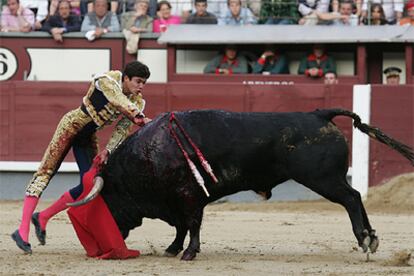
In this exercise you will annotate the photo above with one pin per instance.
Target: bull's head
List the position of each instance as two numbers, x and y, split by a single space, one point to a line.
98 184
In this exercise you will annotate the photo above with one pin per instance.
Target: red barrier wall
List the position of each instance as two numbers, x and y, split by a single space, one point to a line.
392 110
30 111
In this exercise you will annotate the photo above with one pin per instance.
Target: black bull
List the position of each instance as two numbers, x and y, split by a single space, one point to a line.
148 176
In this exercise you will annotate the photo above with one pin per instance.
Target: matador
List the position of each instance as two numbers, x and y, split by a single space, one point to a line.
110 95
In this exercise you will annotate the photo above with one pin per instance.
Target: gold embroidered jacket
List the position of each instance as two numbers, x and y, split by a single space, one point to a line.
104 102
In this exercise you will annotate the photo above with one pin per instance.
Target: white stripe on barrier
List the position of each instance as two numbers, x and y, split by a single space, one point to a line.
15 166
360 141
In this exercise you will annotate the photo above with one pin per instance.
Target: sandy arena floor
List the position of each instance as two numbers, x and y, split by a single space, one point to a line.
297 238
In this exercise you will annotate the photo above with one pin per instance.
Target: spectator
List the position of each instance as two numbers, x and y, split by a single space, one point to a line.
16 18
100 21
236 15
377 16
114 7
345 16
409 20
271 62
254 6
279 12
63 22
392 75
74 7
316 64
134 23
309 9
39 8
138 21
330 78
228 63
393 9
356 6
201 15
165 18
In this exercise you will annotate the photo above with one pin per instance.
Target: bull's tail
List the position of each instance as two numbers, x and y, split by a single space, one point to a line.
373 132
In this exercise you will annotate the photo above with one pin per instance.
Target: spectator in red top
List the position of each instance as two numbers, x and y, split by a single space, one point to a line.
316 64
409 9
228 63
271 62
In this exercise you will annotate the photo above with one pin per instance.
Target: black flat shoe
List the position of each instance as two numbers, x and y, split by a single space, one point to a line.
25 246
40 234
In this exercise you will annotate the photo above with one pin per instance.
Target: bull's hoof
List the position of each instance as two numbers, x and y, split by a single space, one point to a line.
366 241
188 255
171 251
373 246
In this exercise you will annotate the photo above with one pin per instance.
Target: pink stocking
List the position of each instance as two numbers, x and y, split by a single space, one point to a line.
29 205
57 207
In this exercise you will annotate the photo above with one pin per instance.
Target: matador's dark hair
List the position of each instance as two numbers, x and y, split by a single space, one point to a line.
136 69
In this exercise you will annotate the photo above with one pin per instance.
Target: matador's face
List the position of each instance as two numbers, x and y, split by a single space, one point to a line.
133 85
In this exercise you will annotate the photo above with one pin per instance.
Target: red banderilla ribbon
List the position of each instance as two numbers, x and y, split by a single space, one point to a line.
200 155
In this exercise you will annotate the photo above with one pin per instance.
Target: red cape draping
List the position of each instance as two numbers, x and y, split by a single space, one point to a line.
95 226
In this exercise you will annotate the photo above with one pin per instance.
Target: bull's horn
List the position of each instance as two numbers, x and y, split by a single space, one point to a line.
98 184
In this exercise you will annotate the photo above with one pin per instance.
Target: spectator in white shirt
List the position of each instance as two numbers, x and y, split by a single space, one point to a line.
235 14
309 9
345 16
39 8
393 9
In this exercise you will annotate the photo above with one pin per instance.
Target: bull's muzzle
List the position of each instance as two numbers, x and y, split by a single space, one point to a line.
98 184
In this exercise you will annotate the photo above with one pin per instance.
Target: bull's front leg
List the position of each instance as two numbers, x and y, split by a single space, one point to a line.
178 244
194 245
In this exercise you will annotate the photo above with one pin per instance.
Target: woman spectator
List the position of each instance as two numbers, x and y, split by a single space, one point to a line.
377 16
165 18
136 22
393 9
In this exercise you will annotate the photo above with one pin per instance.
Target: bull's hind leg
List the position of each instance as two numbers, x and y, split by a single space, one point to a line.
339 191
194 223
178 244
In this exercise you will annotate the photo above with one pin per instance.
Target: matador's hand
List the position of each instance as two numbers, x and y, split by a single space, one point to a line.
141 121
101 158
